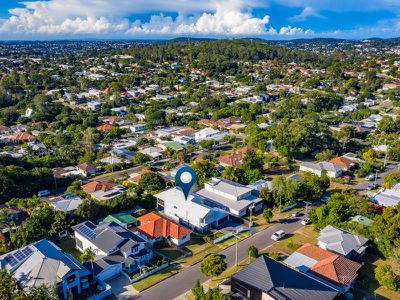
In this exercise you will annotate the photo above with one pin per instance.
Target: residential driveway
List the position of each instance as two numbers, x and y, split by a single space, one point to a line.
122 288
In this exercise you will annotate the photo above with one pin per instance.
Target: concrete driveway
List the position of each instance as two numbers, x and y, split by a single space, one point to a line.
122 288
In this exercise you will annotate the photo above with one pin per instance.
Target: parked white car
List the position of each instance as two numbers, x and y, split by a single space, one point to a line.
305 221
278 235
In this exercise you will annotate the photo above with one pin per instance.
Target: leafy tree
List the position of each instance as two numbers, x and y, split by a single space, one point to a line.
385 230
324 155
198 290
338 209
141 158
369 155
213 265
43 292
204 170
267 215
151 182
391 179
386 277
8 286
284 190
312 187
252 251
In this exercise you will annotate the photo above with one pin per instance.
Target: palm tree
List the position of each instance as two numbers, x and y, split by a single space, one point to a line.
252 251
5 221
230 173
89 255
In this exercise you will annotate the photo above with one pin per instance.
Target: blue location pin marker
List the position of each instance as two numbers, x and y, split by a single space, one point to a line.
185 178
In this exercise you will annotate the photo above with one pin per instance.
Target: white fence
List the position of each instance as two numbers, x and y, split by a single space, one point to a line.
230 234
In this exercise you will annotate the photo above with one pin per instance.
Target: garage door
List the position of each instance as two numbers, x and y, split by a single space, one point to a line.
110 272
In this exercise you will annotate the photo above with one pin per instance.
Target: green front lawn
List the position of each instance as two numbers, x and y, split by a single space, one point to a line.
155 278
68 246
171 253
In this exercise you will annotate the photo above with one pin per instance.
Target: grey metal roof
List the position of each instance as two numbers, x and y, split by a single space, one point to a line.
282 282
109 236
45 264
340 241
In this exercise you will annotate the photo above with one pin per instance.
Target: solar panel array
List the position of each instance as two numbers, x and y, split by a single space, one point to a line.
87 231
18 256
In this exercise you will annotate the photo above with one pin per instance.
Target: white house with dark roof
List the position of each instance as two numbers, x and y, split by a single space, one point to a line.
117 248
43 263
230 196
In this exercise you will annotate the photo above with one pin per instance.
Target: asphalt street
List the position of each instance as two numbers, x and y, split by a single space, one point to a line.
362 186
184 280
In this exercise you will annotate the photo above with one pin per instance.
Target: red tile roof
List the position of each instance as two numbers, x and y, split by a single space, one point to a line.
94 186
23 136
155 226
330 266
231 159
342 162
105 127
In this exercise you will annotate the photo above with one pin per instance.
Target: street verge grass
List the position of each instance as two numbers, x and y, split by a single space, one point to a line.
155 278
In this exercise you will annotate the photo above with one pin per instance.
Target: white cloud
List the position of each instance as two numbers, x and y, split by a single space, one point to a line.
307 12
289 30
110 18
221 22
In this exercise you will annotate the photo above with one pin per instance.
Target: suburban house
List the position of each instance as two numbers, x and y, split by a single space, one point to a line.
334 268
342 242
230 196
191 212
124 219
209 134
44 263
231 160
153 152
117 249
266 278
21 137
137 128
86 169
332 170
154 227
342 162
135 177
387 197
103 190
67 203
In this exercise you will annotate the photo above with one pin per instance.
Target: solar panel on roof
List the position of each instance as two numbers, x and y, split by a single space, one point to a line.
19 255
11 260
87 231
27 251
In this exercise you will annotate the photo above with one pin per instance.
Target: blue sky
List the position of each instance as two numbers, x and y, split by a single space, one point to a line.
130 19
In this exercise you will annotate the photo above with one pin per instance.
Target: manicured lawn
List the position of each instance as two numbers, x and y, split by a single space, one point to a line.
231 241
305 234
155 278
197 257
68 246
171 253
195 245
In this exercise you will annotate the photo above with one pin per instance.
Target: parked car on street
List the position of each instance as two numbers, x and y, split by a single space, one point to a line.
43 193
278 235
296 214
305 221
